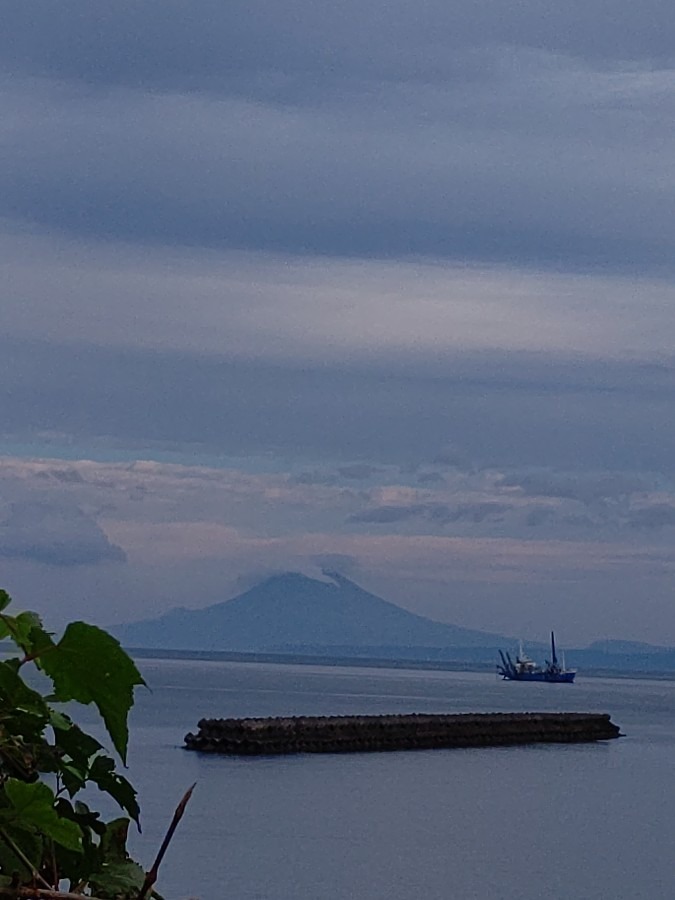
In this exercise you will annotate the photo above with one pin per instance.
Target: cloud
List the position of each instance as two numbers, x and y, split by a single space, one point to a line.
506 410
430 478
452 456
344 563
378 361
55 535
467 167
67 476
654 516
540 515
384 515
313 477
439 513
454 551
477 512
586 487
358 471
413 264
215 47
281 309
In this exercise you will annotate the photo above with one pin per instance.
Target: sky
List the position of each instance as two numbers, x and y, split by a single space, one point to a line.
382 286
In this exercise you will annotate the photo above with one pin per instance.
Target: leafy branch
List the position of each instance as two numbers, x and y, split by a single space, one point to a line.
52 845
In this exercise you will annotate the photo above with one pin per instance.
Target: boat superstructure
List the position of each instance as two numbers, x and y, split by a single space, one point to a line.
525 669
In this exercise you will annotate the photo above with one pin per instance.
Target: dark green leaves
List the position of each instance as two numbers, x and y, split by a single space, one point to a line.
46 832
117 875
32 806
21 852
75 750
26 631
16 695
104 775
23 717
89 665
118 880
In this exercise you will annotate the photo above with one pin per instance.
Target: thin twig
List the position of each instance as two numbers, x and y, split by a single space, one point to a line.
55 870
24 859
151 876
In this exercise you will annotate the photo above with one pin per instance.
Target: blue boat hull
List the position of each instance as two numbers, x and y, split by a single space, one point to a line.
550 677
525 669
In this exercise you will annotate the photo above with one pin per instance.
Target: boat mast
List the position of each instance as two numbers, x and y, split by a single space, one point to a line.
554 659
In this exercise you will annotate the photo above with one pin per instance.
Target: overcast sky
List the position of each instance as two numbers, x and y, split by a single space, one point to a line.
384 285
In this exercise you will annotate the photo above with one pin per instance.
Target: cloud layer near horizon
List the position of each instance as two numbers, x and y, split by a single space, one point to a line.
142 535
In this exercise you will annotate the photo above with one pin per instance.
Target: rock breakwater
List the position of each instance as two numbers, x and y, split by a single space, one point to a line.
349 734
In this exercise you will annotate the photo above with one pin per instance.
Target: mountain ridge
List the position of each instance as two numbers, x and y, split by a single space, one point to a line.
292 610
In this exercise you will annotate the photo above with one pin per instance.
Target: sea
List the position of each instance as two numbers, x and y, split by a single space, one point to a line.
560 822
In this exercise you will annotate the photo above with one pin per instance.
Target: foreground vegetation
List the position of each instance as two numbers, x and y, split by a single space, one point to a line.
52 843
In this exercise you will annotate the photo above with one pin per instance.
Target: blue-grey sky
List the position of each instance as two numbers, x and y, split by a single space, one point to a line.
377 283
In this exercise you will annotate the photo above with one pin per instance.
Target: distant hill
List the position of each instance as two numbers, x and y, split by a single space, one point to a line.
626 647
293 613
623 657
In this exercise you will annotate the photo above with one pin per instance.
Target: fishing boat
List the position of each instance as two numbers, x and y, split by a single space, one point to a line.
526 669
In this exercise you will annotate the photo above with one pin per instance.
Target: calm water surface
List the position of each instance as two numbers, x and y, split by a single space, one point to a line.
584 822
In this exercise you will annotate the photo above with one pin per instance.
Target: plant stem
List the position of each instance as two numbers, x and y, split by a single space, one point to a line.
151 876
24 859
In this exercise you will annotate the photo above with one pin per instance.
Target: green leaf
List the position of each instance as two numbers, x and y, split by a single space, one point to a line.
60 720
79 745
90 666
5 600
80 813
118 880
76 867
33 805
15 692
114 841
23 719
90 819
30 633
80 763
73 779
27 632
104 775
117 875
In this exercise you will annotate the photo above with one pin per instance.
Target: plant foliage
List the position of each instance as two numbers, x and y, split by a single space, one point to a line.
49 837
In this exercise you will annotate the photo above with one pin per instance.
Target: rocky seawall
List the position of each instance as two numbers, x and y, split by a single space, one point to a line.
349 734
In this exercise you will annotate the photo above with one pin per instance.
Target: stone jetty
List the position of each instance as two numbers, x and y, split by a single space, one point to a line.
349 734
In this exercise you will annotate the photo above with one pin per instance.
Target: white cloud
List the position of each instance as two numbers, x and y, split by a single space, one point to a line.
272 308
